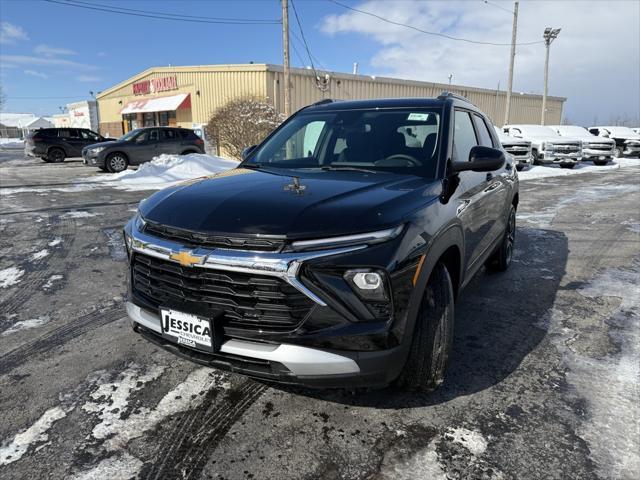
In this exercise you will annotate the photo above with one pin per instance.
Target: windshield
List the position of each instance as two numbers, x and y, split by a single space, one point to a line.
398 141
129 136
622 131
569 130
537 130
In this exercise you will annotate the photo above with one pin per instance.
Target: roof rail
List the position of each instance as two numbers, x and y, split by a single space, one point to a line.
323 101
444 95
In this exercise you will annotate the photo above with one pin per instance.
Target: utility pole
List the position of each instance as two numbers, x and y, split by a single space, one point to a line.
549 35
511 61
285 62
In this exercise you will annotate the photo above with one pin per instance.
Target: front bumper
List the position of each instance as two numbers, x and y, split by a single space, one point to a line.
280 362
597 153
558 158
332 347
93 159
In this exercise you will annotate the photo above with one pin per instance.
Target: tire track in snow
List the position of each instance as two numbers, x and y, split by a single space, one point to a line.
185 451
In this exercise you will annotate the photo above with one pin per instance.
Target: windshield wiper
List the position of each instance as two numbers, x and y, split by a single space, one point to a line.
352 169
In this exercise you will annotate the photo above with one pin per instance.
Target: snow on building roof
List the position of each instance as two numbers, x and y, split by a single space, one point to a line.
18 120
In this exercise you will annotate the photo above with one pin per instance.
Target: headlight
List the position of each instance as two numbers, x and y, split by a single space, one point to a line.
97 149
139 222
369 285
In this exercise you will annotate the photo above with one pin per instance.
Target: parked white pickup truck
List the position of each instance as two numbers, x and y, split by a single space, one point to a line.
627 141
547 146
519 149
600 150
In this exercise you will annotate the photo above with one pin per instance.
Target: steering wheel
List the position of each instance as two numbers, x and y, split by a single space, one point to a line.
388 162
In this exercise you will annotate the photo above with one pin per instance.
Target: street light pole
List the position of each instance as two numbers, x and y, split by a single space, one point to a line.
285 57
549 35
512 58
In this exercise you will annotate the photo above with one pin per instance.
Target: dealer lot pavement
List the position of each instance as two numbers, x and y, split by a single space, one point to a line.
542 384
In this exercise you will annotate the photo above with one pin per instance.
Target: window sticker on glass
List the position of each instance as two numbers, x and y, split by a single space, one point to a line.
419 117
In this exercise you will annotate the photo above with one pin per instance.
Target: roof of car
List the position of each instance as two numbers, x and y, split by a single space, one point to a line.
371 104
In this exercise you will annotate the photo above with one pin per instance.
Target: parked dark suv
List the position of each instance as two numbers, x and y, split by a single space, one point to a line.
141 145
333 254
56 144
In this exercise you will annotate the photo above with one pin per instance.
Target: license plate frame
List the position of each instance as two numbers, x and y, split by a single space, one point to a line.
188 329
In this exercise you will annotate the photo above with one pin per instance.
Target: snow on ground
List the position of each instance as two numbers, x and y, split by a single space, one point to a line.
11 143
166 170
542 171
26 325
10 276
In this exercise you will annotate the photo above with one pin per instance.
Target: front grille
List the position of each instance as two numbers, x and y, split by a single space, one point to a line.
196 239
248 302
566 148
518 151
599 146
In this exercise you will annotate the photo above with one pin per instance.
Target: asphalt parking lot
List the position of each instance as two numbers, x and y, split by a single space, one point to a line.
543 381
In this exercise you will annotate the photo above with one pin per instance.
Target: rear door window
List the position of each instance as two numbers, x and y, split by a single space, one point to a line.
168 134
464 136
64 133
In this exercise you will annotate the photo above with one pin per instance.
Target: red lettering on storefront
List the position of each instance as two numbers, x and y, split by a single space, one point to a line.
155 85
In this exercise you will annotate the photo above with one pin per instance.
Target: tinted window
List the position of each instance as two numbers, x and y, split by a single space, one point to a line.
483 131
464 137
89 135
46 132
68 133
153 135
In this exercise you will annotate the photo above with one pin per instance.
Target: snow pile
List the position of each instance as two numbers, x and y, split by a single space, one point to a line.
166 170
11 143
541 171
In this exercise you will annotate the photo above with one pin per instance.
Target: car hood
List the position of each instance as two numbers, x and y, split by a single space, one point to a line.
101 144
268 202
551 139
594 139
512 141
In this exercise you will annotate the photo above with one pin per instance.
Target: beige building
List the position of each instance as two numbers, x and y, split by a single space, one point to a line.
187 96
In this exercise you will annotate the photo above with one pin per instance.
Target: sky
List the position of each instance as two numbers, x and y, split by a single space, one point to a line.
52 54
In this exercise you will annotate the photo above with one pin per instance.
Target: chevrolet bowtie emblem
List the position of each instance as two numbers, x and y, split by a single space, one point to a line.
186 259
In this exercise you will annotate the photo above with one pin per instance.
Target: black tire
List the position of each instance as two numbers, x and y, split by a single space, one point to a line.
432 336
618 152
600 163
536 161
187 152
45 159
567 165
501 259
103 168
519 167
55 155
116 162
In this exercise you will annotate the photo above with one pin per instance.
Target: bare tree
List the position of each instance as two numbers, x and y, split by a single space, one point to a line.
3 98
242 122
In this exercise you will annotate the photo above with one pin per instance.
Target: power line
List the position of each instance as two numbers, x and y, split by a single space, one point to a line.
304 40
437 34
498 6
93 4
164 16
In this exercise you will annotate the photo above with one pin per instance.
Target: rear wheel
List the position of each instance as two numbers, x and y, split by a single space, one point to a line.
188 152
501 259
116 162
55 155
432 335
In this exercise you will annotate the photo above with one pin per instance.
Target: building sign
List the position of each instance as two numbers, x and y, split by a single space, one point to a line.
155 85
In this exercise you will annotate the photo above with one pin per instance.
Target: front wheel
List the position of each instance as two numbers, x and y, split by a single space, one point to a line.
520 167
116 162
501 259
567 165
600 163
432 335
618 152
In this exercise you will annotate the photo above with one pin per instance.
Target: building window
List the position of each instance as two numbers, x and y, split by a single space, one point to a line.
149 119
166 119
130 121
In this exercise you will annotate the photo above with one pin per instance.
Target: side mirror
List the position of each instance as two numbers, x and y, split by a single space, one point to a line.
247 151
481 159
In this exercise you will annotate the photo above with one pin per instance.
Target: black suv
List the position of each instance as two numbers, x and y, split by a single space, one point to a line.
333 254
56 144
141 145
